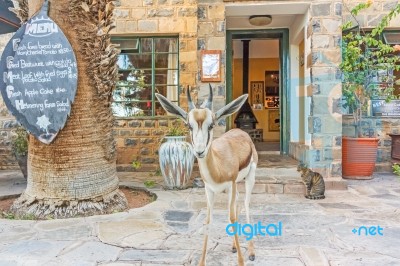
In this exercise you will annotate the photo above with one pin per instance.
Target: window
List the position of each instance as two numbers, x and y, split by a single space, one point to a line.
147 65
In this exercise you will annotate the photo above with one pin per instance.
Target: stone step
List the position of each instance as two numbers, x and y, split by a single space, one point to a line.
274 180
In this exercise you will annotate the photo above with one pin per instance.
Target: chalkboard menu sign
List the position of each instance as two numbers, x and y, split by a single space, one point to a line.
383 108
39 76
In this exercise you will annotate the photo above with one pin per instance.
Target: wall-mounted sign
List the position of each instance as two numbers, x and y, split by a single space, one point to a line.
211 65
383 108
39 76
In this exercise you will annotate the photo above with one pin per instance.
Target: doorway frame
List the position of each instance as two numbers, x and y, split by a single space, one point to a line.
284 87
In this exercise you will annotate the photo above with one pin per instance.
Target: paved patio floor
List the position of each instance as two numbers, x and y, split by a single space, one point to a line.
169 231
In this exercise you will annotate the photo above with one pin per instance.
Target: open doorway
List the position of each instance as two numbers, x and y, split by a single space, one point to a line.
257 64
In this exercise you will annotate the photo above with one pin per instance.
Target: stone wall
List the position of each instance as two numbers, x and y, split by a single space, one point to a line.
200 25
380 127
138 140
7 124
163 17
372 16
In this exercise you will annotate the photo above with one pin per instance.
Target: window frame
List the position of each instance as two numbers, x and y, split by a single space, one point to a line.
153 69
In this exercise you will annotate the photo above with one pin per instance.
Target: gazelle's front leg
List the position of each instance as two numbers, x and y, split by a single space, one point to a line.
210 206
233 218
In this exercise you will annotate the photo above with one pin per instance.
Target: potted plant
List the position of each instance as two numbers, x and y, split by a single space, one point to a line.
367 67
176 157
20 149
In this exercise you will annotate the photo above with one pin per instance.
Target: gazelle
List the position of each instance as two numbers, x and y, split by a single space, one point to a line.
223 162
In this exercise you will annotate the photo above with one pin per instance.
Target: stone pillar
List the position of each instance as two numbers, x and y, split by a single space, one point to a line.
212 36
325 120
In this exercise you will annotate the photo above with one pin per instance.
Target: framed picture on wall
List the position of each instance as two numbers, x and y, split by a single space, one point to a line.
211 65
272 83
273 120
257 93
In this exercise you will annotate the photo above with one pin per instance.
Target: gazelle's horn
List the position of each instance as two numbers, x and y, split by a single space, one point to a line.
190 102
209 102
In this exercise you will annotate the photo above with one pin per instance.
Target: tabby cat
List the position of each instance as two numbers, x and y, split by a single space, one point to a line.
314 182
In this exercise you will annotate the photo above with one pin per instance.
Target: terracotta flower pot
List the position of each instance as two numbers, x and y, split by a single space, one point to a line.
359 157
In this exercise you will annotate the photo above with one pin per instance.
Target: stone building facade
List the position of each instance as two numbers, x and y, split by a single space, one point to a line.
202 25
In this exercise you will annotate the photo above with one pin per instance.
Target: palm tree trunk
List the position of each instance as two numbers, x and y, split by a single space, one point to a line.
76 174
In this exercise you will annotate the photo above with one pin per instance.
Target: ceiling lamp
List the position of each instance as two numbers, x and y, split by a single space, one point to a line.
260 20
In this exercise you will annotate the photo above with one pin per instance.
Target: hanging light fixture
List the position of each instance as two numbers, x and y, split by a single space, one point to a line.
260 20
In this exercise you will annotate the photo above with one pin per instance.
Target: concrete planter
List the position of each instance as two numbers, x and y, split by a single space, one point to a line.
176 162
359 157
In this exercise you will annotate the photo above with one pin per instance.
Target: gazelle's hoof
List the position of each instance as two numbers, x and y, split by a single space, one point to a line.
234 250
252 257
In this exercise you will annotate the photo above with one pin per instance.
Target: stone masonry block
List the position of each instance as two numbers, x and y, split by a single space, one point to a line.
171 25
202 12
148 25
131 3
294 189
138 13
338 9
216 12
131 142
188 57
320 105
142 132
136 123
191 25
321 9
320 41
131 26
163 12
121 13
216 43
331 25
373 20
275 188
314 125
120 25
336 185
205 28
187 12
149 123
389 4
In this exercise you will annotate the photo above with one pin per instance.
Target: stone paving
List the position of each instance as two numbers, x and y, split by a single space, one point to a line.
169 231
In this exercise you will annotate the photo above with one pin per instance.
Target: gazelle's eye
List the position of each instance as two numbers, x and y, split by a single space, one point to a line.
211 126
190 127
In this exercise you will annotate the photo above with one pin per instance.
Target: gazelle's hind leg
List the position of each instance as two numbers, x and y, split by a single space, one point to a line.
234 249
233 219
249 183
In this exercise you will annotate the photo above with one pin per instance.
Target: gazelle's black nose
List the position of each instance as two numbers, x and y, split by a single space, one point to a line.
200 153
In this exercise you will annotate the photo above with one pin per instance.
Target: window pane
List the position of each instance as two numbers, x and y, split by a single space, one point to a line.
170 92
146 45
166 61
166 45
129 61
127 43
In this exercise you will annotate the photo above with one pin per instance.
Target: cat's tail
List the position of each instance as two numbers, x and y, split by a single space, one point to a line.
315 197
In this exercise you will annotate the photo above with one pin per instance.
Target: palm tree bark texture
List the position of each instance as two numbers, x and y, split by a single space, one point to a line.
76 174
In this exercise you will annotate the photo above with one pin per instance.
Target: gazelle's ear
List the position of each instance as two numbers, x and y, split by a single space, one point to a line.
231 108
171 108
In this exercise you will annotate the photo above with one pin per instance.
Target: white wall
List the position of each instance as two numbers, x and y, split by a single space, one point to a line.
297 33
